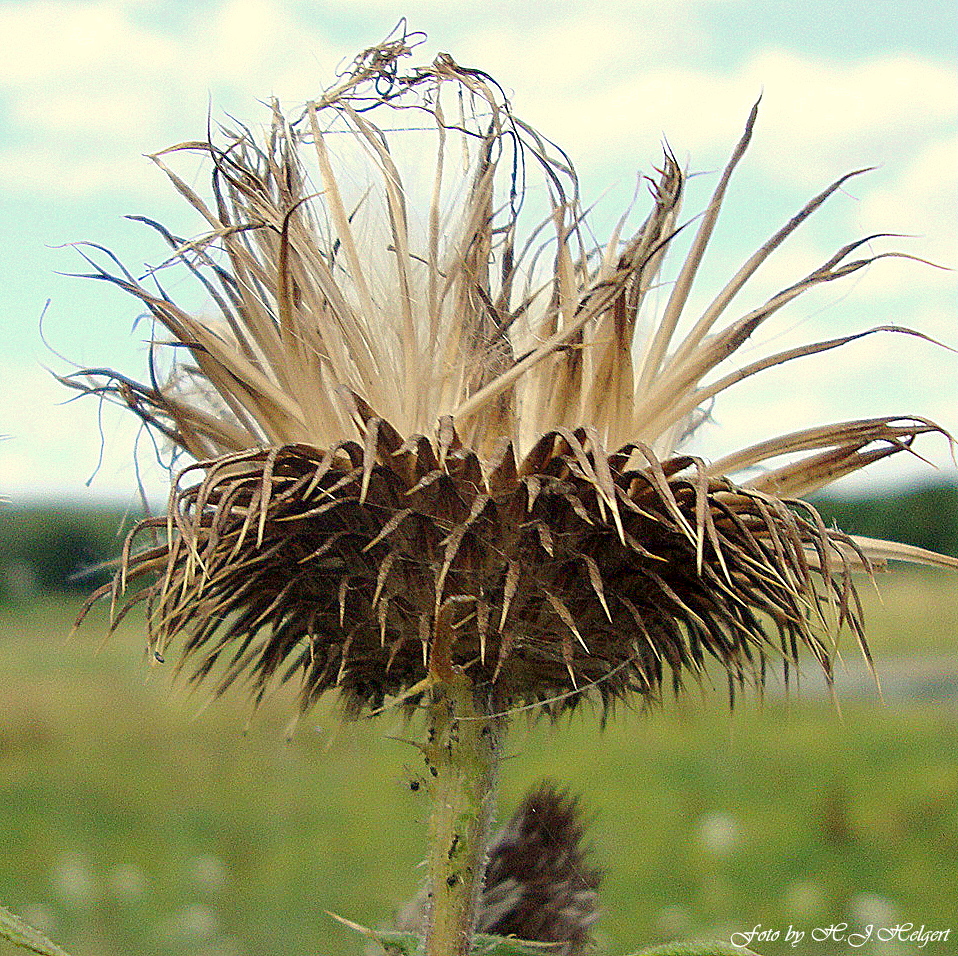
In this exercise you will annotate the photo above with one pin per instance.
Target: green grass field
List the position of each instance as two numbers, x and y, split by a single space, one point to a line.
133 821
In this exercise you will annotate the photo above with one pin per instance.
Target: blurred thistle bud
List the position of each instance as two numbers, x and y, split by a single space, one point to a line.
540 884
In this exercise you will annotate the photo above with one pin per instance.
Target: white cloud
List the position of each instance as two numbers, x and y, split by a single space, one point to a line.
817 119
90 113
575 57
88 89
922 201
600 85
40 172
47 39
257 49
866 112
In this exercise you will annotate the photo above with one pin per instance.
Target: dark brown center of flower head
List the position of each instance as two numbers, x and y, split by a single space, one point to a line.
362 568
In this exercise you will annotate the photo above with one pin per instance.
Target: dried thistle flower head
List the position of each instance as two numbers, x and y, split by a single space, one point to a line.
428 436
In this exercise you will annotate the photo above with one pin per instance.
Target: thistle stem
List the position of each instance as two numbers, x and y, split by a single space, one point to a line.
461 758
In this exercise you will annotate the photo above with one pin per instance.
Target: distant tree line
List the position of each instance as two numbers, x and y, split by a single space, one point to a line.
926 515
49 548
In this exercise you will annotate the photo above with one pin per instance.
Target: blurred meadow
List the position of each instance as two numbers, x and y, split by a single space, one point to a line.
137 820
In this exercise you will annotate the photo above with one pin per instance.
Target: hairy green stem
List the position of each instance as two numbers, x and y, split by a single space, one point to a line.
461 757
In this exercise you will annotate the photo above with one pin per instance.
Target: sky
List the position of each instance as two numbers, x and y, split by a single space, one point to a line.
88 87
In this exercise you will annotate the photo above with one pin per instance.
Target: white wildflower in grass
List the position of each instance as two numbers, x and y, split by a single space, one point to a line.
803 899
128 882
73 881
719 834
431 457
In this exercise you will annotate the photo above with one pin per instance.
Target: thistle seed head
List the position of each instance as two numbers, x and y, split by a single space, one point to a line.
426 429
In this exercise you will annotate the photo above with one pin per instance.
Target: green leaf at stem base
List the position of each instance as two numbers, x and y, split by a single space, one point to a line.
704 948
410 944
25 936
